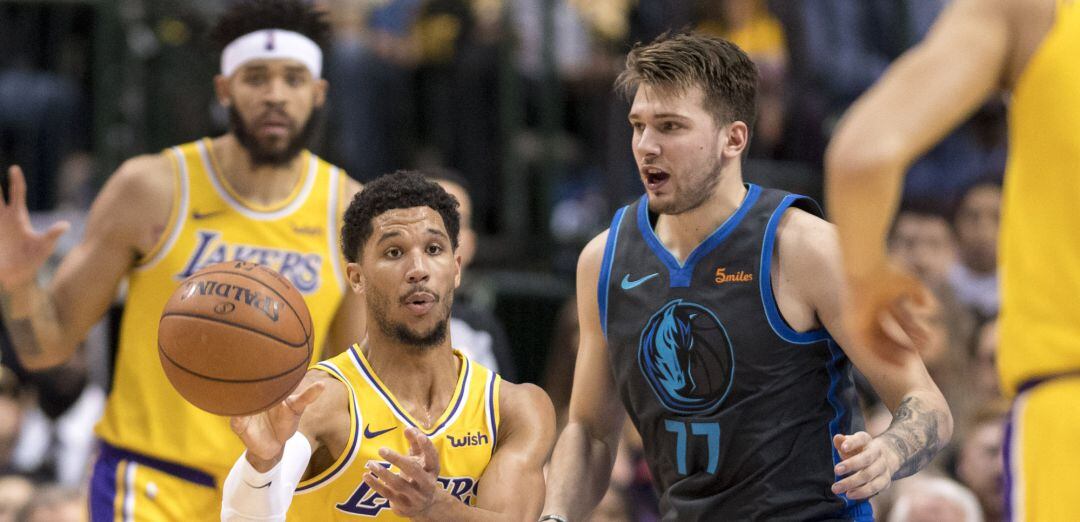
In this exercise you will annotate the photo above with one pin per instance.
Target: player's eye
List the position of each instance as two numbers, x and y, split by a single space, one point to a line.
295 80
393 252
434 249
670 126
255 79
637 125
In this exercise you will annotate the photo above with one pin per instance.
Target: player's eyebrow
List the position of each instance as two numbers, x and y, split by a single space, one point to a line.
387 235
437 232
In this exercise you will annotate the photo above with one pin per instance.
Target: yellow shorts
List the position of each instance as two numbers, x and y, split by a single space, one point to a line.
1042 452
127 486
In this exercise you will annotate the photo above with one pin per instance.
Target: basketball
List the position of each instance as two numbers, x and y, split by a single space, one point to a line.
235 338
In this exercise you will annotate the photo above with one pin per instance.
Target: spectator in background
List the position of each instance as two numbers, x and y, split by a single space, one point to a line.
985 382
749 25
473 329
837 49
54 504
980 461
934 499
371 61
922 241
15 492
975 219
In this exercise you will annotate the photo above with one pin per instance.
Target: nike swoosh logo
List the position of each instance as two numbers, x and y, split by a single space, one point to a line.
205 215
264 485
368 434
628 284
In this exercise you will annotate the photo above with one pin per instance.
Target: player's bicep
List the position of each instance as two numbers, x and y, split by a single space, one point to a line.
593 401
930 89
128 216
513 483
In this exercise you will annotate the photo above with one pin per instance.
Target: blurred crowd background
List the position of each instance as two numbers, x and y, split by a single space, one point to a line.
513 100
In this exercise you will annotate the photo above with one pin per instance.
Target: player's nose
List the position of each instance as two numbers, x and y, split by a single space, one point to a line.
418 270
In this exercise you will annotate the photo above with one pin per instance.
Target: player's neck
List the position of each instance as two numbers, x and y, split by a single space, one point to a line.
682 233
423 380
260 184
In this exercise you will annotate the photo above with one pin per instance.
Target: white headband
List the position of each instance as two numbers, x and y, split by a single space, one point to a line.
269 44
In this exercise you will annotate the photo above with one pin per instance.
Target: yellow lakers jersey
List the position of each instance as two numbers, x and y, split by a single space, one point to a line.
1040 229
464 437
211 223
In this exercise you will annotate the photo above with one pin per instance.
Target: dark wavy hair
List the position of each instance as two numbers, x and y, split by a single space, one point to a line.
248 16
402 189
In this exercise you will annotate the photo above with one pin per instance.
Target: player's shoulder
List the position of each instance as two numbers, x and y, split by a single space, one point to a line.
149 176
593 254
331 402
802 231
526 405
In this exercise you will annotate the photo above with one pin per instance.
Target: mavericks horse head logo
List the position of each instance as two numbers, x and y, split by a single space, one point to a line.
686 356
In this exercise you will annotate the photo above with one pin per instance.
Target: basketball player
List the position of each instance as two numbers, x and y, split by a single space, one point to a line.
710 308
405 426
253 194
978 47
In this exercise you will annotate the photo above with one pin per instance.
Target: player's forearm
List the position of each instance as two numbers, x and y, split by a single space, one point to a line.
921 426
34 327
449 509
579 473
863 184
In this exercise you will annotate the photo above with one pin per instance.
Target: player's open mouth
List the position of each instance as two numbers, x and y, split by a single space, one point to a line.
419 302
654 177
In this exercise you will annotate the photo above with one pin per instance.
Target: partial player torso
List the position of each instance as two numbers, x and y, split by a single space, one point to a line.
464 437
1040 243
736 409
209 224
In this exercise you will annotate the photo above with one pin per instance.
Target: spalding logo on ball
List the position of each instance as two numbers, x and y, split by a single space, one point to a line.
235 338
686 357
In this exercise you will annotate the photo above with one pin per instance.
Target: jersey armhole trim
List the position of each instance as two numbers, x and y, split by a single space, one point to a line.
336 195
353 446
178 214
772 312
493 417
602 283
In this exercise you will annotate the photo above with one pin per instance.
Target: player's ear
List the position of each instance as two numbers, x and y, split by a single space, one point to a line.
356 277
457 272
321 86
736 140
222 91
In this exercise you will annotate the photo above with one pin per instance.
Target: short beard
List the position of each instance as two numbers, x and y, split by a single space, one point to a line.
401 333
695 196
260 155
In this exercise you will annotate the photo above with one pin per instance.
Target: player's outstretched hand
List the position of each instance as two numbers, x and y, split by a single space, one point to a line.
22 250
264 434
866 463
888 310
412 492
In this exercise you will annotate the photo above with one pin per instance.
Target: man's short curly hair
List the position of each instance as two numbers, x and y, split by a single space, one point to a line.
402 189
248 16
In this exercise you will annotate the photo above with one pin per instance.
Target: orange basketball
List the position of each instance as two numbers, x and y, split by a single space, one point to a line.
235 338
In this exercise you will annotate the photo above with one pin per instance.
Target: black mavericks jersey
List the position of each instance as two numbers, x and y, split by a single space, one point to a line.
736 409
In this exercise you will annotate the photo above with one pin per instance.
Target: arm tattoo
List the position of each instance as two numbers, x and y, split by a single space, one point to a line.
21 329
916 433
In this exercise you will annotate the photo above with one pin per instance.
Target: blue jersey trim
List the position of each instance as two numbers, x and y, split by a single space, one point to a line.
832 367
103 489
603 281
681 274
491 411
768 300
109 452
344 463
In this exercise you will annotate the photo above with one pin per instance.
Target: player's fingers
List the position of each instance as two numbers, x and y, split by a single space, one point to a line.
837 440
855 442
869 489
297 402
854 463
53 234
912 321
399 487
239 424
17 186
374 482
408 465
422 446
852 481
